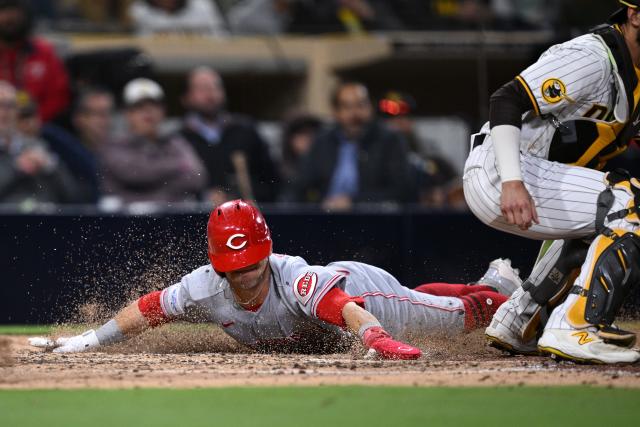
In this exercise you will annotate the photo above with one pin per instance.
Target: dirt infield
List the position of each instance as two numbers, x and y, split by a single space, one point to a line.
202 358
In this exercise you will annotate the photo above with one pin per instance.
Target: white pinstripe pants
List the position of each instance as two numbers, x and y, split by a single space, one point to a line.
565 196
566 201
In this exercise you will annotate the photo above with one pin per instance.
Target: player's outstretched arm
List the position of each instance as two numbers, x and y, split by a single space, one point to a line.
129 322
373 336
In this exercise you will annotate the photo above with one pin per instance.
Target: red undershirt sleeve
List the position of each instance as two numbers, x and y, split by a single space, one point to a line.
151 308
330 307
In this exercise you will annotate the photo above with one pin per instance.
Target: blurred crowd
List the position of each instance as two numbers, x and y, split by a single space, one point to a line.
82 143
224 17
75 141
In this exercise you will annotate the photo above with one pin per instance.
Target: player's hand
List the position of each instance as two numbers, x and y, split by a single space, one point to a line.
517 206
32 161
76 344
379 340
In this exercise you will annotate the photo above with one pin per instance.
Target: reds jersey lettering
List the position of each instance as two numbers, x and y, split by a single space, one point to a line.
304 286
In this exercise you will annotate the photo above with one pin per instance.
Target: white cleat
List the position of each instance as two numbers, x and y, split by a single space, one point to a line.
584 346
501 276
503 338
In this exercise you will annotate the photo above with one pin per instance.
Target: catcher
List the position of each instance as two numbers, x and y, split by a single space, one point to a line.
280 303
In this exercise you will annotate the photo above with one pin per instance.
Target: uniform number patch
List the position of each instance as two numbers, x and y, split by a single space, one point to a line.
304 286
553 91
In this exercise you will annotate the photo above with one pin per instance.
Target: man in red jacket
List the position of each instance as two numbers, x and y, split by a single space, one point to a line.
30 63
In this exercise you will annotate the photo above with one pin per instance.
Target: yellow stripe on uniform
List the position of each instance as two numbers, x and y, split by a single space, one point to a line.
531 97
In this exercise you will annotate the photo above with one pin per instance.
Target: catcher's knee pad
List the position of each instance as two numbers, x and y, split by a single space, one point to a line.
618 179
614 274
550 288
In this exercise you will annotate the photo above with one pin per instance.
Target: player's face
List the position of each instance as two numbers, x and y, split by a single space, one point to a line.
249 277
353 110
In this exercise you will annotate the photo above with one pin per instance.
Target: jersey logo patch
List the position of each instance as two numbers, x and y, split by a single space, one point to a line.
304 286
554 91
236 246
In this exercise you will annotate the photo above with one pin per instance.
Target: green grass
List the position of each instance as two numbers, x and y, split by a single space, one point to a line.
323 407
25 329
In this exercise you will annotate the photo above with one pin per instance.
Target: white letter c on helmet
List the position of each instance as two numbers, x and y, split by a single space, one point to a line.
239 246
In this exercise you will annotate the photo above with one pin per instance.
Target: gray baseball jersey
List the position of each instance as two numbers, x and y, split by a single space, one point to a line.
287 320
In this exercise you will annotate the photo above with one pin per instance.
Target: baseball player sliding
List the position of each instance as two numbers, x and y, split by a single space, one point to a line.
533 171
278 303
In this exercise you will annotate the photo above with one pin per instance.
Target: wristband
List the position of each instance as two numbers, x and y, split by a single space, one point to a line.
366 326
110 333
506 145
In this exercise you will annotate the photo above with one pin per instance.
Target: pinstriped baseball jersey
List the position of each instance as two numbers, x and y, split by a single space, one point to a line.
571 84
287 320
570 81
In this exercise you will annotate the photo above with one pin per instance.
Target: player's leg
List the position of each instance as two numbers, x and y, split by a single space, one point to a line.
500 277
480 307
480 302
581 327
516 323
564 195
451 289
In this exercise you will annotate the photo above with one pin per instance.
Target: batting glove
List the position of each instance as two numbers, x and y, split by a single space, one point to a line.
76 344
379 340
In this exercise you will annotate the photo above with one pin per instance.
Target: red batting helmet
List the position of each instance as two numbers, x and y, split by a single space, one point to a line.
238 236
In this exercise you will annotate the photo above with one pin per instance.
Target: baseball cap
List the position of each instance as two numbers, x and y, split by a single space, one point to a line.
620 15
141 89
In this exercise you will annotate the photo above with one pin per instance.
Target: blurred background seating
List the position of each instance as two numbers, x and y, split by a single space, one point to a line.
246 106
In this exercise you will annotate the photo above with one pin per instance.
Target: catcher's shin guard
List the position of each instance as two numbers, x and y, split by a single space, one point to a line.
614 274
614 270
546 288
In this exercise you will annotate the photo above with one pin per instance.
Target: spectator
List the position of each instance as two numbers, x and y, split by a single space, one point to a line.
28 171
298 136
236 157
177 16
526 14
351 16
359 159
435 180
92 117
79 161
30 63
146 166
259 16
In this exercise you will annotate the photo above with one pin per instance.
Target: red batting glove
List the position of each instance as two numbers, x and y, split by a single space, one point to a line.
380 340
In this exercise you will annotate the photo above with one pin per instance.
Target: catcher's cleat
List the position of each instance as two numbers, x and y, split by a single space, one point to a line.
502 338
584 346
502 277
616 336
